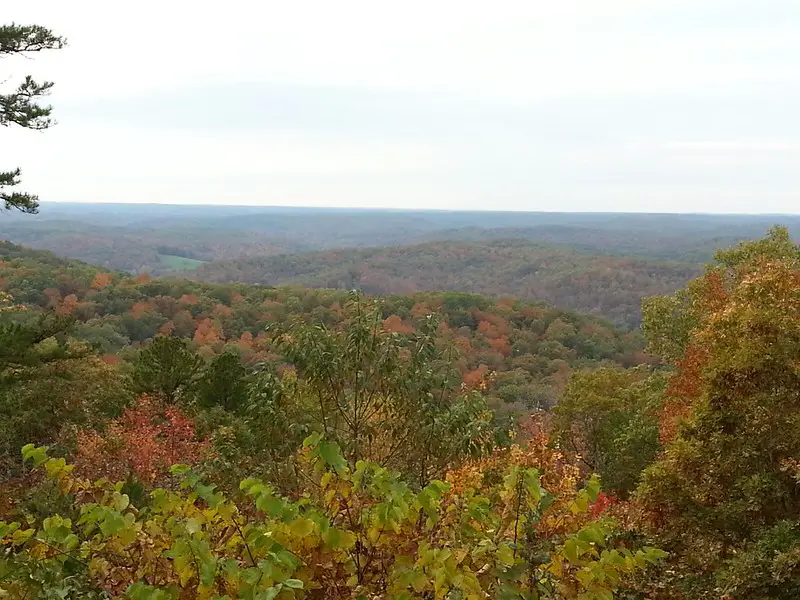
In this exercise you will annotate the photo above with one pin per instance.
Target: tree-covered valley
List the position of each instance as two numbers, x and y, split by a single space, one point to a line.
137 237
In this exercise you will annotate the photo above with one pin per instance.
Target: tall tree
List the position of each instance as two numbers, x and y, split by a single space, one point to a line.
22 106
21 335
726 487
609 417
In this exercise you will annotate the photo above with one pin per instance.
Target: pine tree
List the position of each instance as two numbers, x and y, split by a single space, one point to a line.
21 337
22 105
166 368
223 384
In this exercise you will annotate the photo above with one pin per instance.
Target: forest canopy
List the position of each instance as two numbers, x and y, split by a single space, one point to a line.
189 440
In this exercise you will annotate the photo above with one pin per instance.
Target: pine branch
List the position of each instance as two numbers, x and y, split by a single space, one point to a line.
27 203
21 106
18 39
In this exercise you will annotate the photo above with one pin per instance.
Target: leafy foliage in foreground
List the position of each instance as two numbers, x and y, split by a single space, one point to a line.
358 531
396 431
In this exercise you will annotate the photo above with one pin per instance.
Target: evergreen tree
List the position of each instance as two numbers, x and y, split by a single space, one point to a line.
223 384
166 368
42 376
22 334
22 105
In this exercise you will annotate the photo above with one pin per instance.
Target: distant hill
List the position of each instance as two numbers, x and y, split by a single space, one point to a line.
689 246
137 249
136 238
603 285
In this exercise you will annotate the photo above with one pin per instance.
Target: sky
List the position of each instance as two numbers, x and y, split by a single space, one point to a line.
574 105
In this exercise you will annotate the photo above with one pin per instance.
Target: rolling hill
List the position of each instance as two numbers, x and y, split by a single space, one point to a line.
603 285
134 238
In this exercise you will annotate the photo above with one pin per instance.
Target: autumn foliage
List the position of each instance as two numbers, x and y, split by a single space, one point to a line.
360 448
722 494
491 530
143 443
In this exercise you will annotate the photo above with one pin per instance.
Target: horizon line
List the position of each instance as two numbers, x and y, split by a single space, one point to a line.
405 209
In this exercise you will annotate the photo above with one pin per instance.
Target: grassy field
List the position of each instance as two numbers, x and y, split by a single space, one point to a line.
179 263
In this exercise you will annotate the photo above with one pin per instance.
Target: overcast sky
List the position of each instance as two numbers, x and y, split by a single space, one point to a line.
613 105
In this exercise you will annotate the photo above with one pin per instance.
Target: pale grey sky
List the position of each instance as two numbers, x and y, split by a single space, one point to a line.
614 105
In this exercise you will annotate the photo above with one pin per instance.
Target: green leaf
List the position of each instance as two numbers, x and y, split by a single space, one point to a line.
179 469
654 555
142 591
332 455
7 528
570 550
592 533
585 576
270 593
38 455
505 554
269 504
593 487
112 524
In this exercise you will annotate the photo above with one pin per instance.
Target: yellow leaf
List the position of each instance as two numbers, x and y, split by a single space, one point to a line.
302 527
373 533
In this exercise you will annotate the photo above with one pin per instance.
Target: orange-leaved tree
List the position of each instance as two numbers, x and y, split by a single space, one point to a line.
142 444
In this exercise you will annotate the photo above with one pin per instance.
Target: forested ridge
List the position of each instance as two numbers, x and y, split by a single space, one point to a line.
608 286
531 347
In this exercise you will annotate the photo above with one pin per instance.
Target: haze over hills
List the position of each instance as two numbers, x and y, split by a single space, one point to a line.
135 237
600 263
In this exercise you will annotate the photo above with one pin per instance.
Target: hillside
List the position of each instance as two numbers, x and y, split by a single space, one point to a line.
685 246
607 286
136 248
531 347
